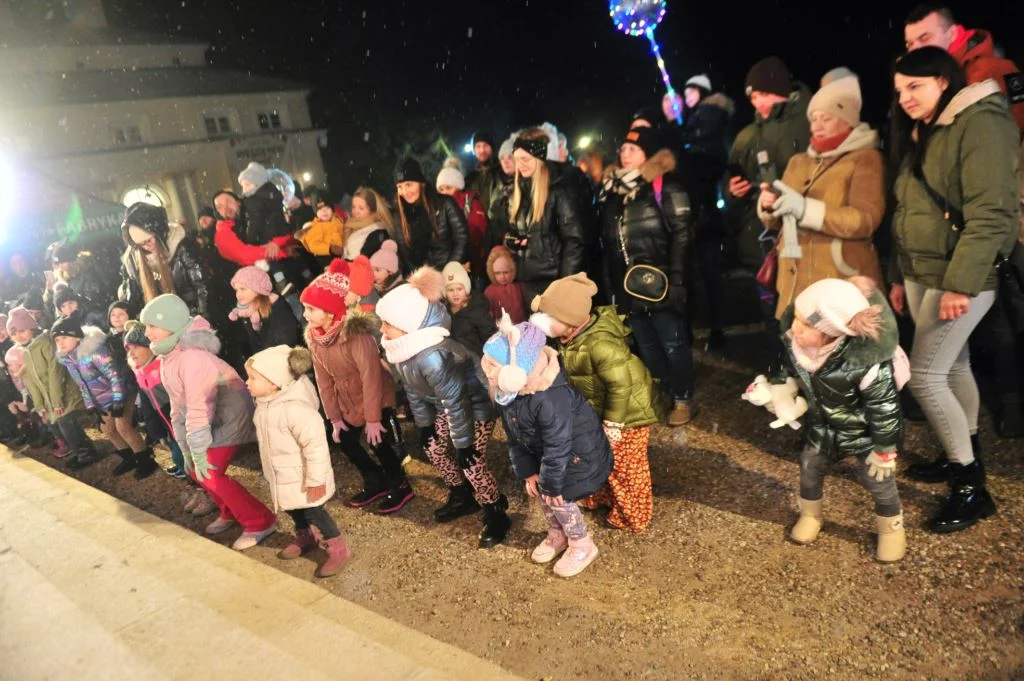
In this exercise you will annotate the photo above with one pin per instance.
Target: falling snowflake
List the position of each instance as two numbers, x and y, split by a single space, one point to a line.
469 32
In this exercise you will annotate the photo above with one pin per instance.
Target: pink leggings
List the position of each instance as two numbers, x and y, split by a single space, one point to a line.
233 500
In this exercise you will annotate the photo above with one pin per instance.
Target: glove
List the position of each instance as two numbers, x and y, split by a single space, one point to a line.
613 431
677 297
202 466
790 201
467 457
117 410
337 427
190 467
881 466
426 435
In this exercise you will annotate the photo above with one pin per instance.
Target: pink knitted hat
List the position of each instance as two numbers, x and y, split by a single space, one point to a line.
20 319
254 279
829 305
386 256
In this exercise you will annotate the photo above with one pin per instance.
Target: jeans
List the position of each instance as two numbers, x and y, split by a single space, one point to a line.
177 458
318 517
814 466
940 368
663 339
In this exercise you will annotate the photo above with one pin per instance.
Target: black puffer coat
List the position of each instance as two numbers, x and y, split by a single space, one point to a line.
264 211
554 433
555 244
473 324
185 260
425 247
280 328
651 234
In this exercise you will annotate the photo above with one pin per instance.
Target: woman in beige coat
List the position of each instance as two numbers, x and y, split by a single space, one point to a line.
831 199
293 450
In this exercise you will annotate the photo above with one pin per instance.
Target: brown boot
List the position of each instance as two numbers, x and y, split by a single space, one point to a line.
304 542
892 539
338 554
681 414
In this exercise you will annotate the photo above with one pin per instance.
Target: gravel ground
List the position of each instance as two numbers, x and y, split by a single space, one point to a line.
713 590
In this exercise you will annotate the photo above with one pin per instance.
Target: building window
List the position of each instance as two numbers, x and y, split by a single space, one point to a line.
217 125
126 135
269 120
146 194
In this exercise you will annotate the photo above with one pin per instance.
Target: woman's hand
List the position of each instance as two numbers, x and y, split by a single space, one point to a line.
767 199
317 493
898 298
532 488
272 251
739 187
953 305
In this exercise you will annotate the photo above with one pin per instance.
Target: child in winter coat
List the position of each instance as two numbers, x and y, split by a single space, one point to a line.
471 319
294 453
504 292
118 316
841 346
322 236
555 439
28 426
267 318
107 388
387 274
362 292
211 413
452 182
357 391
55 398
448 399
601 367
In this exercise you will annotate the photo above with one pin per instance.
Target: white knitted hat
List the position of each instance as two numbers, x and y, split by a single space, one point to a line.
829 304
406 306
455 273
700 80
281 364
840 97
451 177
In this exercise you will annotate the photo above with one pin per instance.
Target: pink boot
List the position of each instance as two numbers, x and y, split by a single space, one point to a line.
338 554
304 542
553 544
62 450
581 553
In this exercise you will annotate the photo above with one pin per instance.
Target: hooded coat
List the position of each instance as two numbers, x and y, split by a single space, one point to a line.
980 62
48 381
184 261
555 434
508 297
102 380
293 445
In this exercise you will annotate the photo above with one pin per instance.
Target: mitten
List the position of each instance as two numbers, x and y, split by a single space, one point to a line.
467 457
202 466
881 466
790 201
613 431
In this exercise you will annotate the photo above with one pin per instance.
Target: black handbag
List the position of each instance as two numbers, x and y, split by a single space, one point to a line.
645 283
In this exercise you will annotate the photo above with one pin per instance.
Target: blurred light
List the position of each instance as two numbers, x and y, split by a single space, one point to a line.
721 203
468 148
307 176
143 195
584 142
7 197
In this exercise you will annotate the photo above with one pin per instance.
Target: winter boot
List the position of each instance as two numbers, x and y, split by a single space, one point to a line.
1011 417
681 414
968 500
145 465
575 560
40 436
304 542
338 554
892 538
460 502
204 504
23 436
83 458
398 496
373 489
496 523
127 462
553 544
61 450
808 525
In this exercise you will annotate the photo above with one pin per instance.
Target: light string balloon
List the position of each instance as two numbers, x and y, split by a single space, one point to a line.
640 18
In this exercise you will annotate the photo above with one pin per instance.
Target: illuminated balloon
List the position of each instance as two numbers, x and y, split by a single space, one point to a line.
640 18
284 183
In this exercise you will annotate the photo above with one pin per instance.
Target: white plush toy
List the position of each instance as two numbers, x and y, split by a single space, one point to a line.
784 400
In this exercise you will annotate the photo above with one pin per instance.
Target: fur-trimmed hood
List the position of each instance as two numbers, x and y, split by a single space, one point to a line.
721 101
496 253
94 341
359 321
544 373
662 163
201 336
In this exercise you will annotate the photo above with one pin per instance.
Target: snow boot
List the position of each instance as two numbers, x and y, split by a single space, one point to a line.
968 500
580 554
338 554
892 539
304 542
373 489
145 465
398 496
808 525
127 462
83 458
460 502
553 544
496 523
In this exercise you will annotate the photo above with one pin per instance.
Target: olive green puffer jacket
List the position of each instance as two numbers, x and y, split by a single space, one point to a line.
615 382
971 161
844 419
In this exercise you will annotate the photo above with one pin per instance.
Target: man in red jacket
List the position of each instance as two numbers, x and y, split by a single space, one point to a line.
933 24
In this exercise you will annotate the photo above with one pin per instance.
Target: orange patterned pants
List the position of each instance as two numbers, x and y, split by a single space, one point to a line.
628 490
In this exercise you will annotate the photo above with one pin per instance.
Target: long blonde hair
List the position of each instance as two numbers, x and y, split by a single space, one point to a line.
539 184
153 286
379 211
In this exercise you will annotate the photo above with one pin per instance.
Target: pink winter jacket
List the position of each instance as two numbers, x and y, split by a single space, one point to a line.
210 406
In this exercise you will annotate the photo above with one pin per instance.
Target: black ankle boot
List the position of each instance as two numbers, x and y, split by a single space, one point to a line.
373 489
144 464
933 471
460 502
496 523
968 500
128 462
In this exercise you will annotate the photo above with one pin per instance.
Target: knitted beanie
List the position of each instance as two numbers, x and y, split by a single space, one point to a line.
840 98
327 292
20 319
568 299
68 326
254 279
15 357
405 307
645 138
409 170
118 305
360 276
770 75
455 273
829 304
516 348
282 365
701 80
135 334
483 136
386 257
452 177
506 147
256 174
170 313
64 294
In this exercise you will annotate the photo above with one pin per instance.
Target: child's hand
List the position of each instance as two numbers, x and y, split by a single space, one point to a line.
59 411
881 466
532 488
553 501
374 433
338 427
316 493
42 414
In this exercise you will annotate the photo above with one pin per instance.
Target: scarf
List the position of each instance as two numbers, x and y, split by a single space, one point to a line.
326 338
624 183
250 312
829 143
411 344
813 359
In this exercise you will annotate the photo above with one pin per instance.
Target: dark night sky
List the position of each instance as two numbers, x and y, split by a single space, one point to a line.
405 71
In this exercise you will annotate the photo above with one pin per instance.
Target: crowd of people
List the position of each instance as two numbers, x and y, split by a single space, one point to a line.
560 302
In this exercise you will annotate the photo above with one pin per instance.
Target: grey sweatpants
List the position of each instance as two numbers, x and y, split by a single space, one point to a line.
814 466
940 367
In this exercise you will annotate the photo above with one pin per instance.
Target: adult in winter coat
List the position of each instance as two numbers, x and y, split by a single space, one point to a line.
472 323
432 229
646 220
450 182
84 276
546 229
211 413
369 226
834 194
781 130
484 179
956 211
159 258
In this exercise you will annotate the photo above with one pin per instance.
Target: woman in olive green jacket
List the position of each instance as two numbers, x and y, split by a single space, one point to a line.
957 210
616 383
